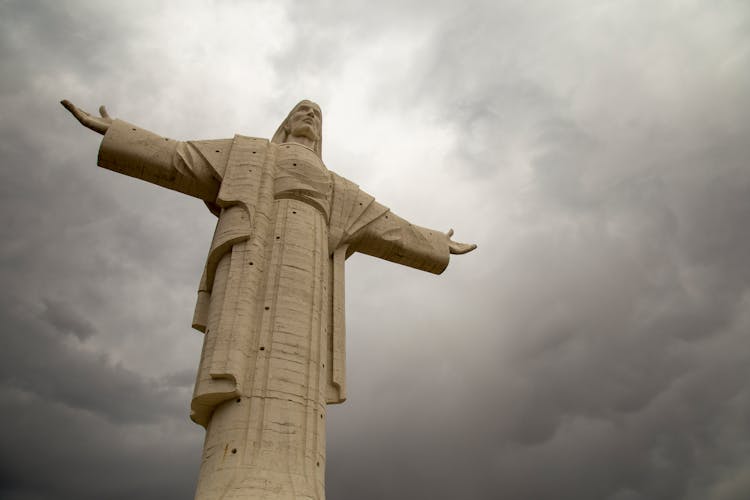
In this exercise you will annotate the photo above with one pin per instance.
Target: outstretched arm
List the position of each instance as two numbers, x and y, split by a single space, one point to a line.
193 168
392 238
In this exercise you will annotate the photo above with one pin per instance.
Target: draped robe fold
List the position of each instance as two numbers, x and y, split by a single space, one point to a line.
271 298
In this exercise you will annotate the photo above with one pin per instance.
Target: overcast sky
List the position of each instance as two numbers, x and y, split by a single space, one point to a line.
596 345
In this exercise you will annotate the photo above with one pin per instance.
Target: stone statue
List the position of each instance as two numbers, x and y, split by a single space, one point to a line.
271 299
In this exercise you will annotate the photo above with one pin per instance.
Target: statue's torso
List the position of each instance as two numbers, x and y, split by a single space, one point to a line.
301 175
274 299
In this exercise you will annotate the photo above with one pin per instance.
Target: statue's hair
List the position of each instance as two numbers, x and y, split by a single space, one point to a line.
282 133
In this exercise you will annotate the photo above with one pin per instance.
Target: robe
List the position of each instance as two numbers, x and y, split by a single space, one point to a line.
271 298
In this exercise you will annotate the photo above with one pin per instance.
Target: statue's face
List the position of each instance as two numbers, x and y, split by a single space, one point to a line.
305 121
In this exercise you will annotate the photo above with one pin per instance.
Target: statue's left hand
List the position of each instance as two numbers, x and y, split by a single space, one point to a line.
98 124
457 248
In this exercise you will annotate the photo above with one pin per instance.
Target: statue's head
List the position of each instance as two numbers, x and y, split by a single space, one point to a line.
304 120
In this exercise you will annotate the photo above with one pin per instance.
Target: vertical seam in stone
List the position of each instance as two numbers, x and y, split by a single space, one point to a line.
320 263
310 401
288 206
269 316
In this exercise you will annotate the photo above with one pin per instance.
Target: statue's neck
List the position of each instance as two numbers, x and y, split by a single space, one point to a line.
300 139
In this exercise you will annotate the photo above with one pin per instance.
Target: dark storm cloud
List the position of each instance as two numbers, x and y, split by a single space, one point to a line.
593 347
46 365
62 317
80 422
61 39
83 426
75 454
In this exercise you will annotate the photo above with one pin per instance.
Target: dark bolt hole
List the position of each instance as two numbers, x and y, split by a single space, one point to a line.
262 348
239 400
234 450
267 308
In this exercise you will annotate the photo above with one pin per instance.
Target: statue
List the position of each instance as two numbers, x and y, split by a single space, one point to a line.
271 299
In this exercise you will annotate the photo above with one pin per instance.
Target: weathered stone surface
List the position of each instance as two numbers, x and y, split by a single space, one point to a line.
271 299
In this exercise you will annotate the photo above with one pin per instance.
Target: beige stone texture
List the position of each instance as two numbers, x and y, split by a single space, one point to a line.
271 299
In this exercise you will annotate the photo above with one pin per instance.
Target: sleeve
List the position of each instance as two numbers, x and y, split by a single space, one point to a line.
394 239
194 168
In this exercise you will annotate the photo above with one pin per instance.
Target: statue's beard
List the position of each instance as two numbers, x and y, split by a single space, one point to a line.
305 130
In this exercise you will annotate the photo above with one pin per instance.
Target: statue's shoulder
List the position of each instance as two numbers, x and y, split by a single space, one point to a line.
246 139
245 147
343 182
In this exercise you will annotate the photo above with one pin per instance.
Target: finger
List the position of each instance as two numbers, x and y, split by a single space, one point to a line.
68 105
461 248
103 112
77 112
449 233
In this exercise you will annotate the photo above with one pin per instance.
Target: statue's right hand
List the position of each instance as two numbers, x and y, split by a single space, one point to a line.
96 123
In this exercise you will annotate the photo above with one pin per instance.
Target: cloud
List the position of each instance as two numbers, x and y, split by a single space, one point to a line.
594 346
66 320
50 366
75 453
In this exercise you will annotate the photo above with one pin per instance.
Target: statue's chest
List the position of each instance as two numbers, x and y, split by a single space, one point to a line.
301 175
